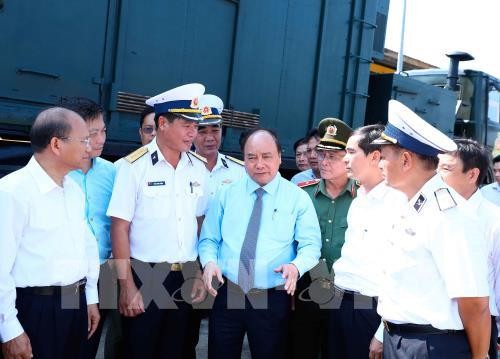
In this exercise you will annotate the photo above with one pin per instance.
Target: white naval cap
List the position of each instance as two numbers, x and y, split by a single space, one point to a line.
408 130
211 107
182 100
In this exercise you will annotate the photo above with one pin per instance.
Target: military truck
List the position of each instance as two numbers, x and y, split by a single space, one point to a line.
282 64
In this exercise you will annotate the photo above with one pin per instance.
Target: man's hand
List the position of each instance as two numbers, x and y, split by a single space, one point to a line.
290 273
19 347
211 270
375 349
130 302
93 319
199 292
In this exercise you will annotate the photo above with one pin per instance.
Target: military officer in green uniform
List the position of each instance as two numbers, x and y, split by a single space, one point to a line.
332 196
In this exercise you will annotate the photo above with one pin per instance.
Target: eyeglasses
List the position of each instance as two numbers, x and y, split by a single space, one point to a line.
148 129
83 141
330 156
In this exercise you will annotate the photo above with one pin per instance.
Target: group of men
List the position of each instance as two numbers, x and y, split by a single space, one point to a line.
371 254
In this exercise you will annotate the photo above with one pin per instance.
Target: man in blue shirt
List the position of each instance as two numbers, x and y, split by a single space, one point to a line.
287 243
96 180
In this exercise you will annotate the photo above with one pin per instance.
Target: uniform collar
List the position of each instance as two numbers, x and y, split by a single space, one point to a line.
44 182
155 155
349 187
270 188
221 162
427 192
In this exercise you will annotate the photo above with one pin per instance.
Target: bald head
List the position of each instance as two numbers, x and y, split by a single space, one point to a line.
50 123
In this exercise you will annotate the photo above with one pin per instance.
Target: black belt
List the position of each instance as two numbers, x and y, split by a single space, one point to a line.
393 328
75 288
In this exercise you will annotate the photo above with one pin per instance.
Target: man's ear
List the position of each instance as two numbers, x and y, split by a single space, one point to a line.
55 145
162 122
472 175
406 159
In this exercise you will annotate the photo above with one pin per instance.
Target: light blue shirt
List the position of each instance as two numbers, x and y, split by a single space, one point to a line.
97 185
492 192
303 176
289 230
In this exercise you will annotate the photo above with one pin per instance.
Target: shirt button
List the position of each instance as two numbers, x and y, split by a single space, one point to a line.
329 221
333 201
327 240
179 219
91 219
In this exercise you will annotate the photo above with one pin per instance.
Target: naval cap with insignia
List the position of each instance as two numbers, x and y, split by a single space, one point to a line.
334 134
211 107
182 101
408 130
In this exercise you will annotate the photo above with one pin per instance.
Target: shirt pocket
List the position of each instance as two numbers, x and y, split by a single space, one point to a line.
154 202
283 223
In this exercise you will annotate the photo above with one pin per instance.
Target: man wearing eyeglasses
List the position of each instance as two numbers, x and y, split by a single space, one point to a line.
147 127
96 178
50 263
332 197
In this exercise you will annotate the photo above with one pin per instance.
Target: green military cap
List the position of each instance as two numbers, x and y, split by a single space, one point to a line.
334 134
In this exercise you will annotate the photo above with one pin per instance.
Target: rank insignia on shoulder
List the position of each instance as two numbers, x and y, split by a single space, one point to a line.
134 156
308 183
444 199
224 163
235 160
197 156
419 203
154 157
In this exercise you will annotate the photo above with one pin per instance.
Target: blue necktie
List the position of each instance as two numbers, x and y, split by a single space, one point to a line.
246 269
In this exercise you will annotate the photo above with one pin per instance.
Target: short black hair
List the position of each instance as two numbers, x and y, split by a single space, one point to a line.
171 117
85 107
246 135
496 159
146 111
473 155
368 134
50 123
299 142
313 132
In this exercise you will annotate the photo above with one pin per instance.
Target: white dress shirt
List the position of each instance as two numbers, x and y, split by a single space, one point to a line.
370 217
488 216
435 256
161 203
44 239
225 172
492 192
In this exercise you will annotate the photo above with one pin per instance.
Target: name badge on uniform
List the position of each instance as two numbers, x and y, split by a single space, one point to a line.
444 199
156 183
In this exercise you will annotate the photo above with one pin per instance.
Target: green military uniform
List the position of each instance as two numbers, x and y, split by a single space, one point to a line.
309 332
332 216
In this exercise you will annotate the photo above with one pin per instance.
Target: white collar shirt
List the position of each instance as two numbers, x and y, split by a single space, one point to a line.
492 192
225 172
370 217
488 216
44 239
434 256
161 203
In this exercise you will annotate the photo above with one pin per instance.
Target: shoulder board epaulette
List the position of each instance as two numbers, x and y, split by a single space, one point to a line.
235 160
308 183
201 158
134 156
444 199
